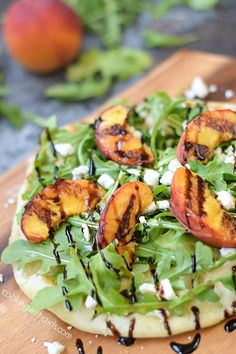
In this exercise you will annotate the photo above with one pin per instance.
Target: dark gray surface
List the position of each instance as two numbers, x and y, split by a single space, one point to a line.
216 32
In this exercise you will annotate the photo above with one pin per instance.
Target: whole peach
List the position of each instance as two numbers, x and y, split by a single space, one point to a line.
43 35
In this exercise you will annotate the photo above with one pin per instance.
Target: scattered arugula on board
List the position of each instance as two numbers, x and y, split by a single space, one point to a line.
14 114
162 238
157 39
95 72
108 18
163 6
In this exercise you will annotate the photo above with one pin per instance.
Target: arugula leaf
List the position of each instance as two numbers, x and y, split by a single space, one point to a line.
158 39
214 172
96 70
24 252
47 298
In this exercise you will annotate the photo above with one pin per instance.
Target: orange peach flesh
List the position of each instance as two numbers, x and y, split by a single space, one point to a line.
204 134
55 203
199 211
121 213
118 141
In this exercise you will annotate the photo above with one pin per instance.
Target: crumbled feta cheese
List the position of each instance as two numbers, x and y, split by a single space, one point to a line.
156 313
151 208
69 328
226 199
134 171
229 94
86 232
218 152
142 219
167 178
173 165
189 94
80 171
33 340
11 201
106 181
163 204
229 151
151 177
226 251
199 87
188 166
54 347
229 159
64 149
147 288
213 88
226 296
166 291
1 278
136 133
184 124
90 302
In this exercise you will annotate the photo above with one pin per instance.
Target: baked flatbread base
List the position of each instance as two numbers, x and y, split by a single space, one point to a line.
146 325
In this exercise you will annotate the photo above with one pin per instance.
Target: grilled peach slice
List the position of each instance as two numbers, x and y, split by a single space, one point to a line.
199 211
120 215
205 133
118 141
55 203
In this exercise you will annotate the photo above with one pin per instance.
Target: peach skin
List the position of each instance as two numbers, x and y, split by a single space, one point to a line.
55 203
199 211
204 134
118 141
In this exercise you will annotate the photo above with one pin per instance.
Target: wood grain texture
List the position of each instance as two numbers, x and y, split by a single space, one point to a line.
17 326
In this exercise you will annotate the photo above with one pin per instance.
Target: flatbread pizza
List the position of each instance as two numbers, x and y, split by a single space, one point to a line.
127 226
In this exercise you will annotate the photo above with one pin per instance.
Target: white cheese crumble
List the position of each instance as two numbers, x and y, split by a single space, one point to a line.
174 165
167 178
134 171
80 171
136 133
33 340
226 251
151 177
106 181
229 94
213 88
226 296
166 291
69 328
64 149
198 89
147 288
54 347
142 219
151 208
184 124
86 232
1 278
226 199
90 302
163 204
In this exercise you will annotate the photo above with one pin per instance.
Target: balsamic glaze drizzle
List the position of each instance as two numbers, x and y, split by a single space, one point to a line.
108 264
92 168
234 276
166 322
195 311
38 174
186 348
54 151
68 305
194 263
99 350
69 236
230 326
127 341
80 346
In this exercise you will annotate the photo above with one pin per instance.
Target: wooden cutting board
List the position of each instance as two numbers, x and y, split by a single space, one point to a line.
19 327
